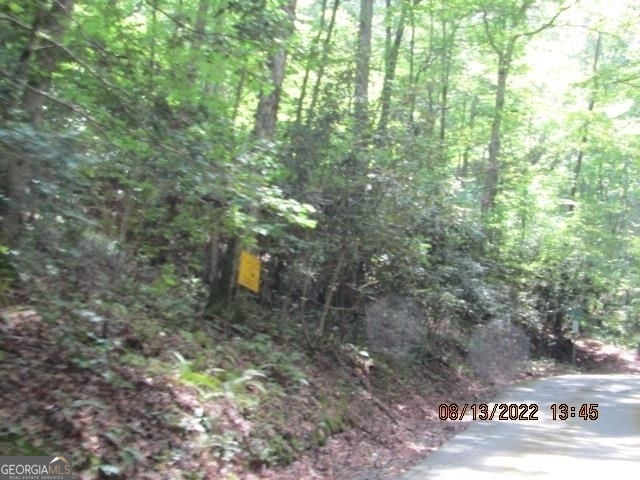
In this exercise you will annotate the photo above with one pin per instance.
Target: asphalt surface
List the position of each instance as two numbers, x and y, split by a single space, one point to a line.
606 447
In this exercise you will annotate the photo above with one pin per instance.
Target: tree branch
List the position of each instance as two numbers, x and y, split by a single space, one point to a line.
550 23
487 30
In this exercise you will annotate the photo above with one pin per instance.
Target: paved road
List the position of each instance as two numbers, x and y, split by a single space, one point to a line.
608 447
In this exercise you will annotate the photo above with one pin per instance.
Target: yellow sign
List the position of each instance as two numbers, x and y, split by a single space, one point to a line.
249 271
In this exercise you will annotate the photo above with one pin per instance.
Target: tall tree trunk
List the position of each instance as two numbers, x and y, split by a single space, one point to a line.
45 56
448 39
468 123
33 72
363 60
493 161
267 113
326 47
583 141
313 54
412 86
391 61
503 44
222 281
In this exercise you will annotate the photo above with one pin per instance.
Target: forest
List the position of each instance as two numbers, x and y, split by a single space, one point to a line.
408 179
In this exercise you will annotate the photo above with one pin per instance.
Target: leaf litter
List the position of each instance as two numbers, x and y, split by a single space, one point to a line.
127 421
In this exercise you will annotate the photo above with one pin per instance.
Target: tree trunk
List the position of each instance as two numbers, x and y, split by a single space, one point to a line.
583 141
267 113
448 38
220 259
468 123
363 59
33 72
391 60
412 80
503 44
326 45
493 161
313 54
269 102
45 56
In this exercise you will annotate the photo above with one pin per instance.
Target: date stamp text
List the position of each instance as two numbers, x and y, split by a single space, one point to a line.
515 411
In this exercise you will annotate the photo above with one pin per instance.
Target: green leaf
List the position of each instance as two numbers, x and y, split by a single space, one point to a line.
15 7
305 221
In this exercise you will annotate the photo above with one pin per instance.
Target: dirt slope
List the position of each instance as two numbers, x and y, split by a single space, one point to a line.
136 419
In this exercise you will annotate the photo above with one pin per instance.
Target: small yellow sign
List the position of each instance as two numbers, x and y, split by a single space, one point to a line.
249 271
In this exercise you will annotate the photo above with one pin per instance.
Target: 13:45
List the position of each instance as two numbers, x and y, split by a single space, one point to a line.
562 411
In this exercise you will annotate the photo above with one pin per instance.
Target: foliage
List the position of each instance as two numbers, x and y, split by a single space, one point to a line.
426 181
133 173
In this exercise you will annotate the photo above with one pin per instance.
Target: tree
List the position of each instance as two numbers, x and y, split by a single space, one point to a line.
177 132
36 51
590 107
362 61
269 101
505 25
392 50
